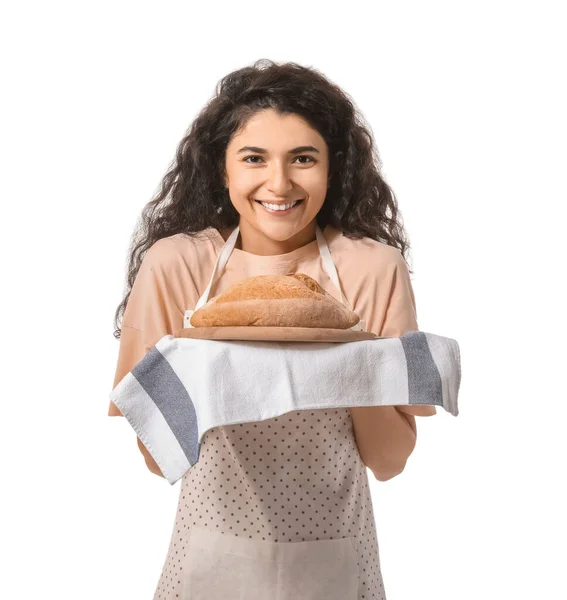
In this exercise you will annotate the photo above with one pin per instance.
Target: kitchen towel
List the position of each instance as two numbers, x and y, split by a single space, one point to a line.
184 386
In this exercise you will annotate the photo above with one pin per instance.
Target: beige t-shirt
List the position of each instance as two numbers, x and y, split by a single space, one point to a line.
176 270
295 477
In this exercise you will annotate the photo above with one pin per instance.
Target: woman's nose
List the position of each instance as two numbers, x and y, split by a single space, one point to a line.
279 182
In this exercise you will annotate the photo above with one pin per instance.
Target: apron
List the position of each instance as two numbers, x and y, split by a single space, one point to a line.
225 566
226 251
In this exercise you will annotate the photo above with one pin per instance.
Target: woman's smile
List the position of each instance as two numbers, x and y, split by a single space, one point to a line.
279 209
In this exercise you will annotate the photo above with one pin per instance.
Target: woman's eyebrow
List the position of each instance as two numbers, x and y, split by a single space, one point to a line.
264 151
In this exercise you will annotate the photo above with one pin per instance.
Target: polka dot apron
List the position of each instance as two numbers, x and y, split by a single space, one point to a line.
275 509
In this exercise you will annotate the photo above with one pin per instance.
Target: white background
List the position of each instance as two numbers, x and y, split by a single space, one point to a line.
467 105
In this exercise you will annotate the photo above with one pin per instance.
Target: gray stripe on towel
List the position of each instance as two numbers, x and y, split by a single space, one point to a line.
164 387
424 379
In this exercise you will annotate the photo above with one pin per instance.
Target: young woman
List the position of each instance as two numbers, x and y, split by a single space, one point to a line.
281 154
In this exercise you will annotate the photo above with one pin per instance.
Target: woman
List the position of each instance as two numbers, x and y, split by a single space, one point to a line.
279 152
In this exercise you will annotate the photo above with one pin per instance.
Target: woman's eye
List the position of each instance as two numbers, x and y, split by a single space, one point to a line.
256 156
305 156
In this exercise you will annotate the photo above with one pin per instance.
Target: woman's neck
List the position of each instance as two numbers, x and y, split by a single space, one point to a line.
290 245
254 242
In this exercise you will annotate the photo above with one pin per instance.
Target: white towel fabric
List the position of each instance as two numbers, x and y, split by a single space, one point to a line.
183 387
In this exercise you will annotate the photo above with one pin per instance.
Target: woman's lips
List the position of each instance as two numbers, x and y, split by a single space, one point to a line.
279 212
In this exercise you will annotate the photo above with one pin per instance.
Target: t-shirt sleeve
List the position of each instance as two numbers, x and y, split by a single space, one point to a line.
154 309
401 313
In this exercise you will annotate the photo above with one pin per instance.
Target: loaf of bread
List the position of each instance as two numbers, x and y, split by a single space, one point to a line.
275 301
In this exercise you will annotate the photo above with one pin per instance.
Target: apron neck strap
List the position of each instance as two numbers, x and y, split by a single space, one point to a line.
219 265
229 246
328 262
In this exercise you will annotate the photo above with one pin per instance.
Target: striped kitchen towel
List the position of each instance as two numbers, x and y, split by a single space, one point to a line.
184 386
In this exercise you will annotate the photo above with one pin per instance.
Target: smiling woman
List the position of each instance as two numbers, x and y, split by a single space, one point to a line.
276 176
278 197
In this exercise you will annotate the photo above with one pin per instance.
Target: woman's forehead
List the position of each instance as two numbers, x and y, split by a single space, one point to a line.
271 131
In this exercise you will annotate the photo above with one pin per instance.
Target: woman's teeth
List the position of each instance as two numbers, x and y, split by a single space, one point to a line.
279 206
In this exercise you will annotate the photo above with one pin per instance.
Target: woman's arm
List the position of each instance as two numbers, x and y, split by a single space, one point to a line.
385 438
387 458
153 310
150 462
386 435
418 410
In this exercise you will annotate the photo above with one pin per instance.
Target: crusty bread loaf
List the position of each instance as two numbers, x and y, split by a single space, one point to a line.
275 301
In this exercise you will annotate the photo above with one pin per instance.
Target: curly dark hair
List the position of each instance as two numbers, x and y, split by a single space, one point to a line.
193 196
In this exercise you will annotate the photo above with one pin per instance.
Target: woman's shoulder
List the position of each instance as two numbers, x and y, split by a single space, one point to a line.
362 248
190 248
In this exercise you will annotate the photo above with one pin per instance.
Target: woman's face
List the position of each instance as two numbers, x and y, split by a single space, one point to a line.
265 162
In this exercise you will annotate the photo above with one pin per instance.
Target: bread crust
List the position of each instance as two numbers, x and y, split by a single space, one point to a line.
275 301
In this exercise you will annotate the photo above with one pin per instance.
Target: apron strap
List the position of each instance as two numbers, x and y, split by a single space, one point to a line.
328 261
332 272
219 267
226 251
